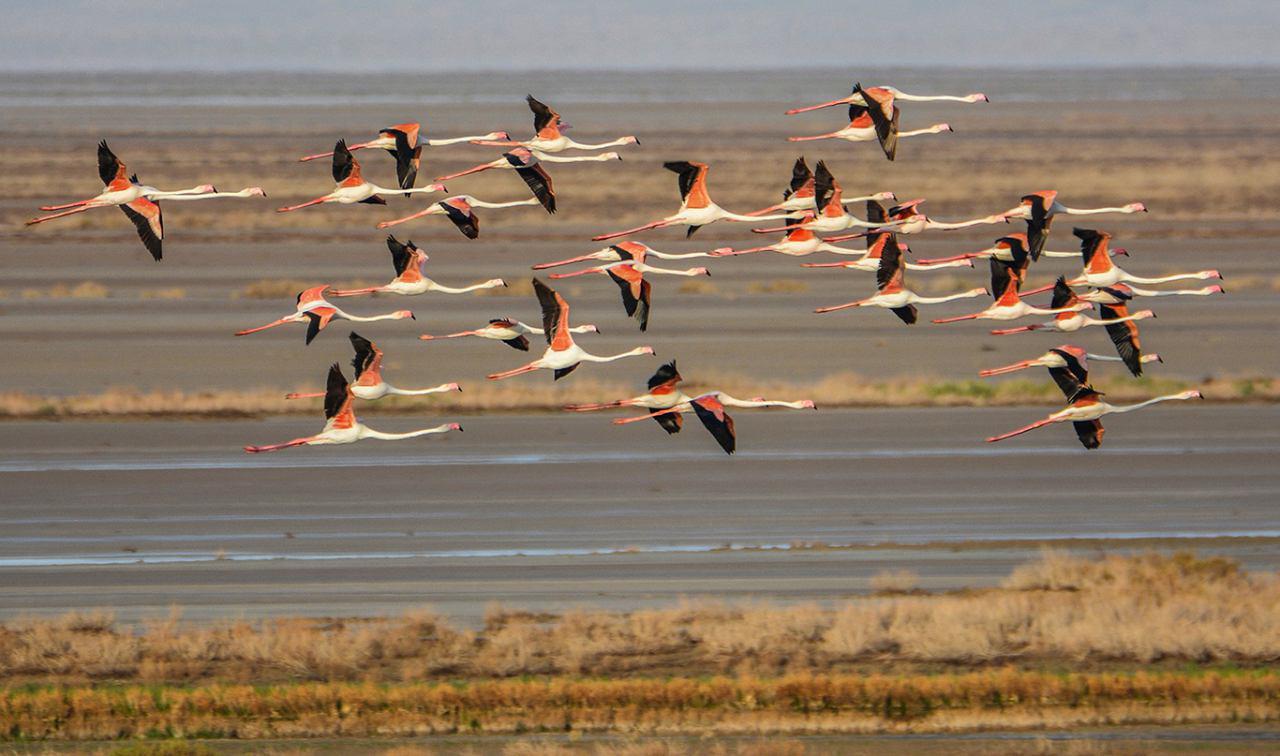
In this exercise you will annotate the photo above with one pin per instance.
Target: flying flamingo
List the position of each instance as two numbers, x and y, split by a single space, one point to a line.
1069 322
562 355
1120 293
317 312
832 215
460 210
408 260
341 425
1039 208
1066 356
1085 408
870 260
910 220
547 137
1006 277
615 252
628 274
864 127
1099 270
1001 250
351 186
710 410
405 142
892 292
798 242
696 207
139 202
511 332
369 384
798 197
528 165
856 97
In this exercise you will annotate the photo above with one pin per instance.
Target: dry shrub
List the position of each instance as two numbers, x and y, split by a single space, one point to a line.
894 582
778 286
697 286
175 292
272 288
82 290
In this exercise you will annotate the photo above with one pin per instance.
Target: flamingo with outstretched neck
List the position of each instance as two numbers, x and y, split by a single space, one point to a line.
351 186
548 136
314 310
832 215
1069 321
341 425
562 355
369 384
628 274
404 141
408 261
511 332
624 250
1084 411
696 207
1039 208
1058 358
892 293
460 210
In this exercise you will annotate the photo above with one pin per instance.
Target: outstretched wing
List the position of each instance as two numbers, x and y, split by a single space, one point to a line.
1124 336
671 422
1063 296
800 175
1089 432
460 213
535 176
886 124
555 316
147 218
824 186
344 165
336 392
664 379
714 418
110 169
368 356
889 276
408 158
401 254
543 116
693 181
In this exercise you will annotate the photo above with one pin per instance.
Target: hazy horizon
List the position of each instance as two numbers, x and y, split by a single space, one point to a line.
327 36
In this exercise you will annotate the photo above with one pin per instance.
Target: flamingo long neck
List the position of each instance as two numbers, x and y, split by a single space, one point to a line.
619 142
730 401
676 256
453 140
726 215
1203 292
517 203
370 318
610 358
934 129
1164 279
442 388
188 195
371 433
669 272
433 286
958 224
950 297
580 158
1060 208
929 98
1147 403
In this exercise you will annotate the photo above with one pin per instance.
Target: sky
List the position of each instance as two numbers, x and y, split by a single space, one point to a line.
452 35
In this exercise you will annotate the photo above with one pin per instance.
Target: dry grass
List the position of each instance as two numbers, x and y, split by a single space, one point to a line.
919 663
81 290
698 286
895 582
288 288
1057 610
174 292
519 287
778 286
836 390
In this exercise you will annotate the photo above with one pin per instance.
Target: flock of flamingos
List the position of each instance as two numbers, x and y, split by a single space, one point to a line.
813 204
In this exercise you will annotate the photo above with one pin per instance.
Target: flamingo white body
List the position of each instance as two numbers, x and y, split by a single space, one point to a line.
387 140
615 252
859 132
1038 209
799 242
636 291
870 259
1100 270
696 207
369 384
341 425
856 97
1006 278
910 220
830 212
504 164
1070 322
409 260
314 309
798 197
562 355
513 332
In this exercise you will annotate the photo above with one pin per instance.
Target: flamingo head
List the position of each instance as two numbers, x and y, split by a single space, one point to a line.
630 140
1211 274
885 197
1120 252
645 350
590 329
701 272
1143 315
256 191
610 156
808 404
941 127
497 135
437 187
205 189
455 426
1153 357
1215 289
977 97
452 387
403 314
1135 207
1192 394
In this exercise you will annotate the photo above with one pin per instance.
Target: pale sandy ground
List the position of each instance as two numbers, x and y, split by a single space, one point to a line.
526 482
